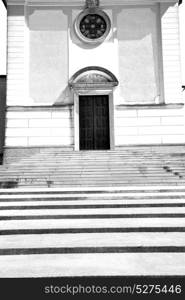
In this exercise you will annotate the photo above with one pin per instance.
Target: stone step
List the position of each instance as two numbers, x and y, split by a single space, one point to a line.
103 157
93 264
104 160
105 223
87 183
91 213
43 185
92 201
116 166
125 169
81 169
86 161
96 180
96 190
96 177
92 231
86 198
124 239
130 161
92 197
98 155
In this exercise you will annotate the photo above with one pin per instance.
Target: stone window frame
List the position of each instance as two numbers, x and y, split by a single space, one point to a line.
86 12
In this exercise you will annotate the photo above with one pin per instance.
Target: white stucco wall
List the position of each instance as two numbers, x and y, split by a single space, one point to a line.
17 57
138 55
171 52
48 59
44 52
3 35
82 55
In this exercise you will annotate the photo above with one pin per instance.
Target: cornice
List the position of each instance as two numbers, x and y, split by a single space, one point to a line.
82 2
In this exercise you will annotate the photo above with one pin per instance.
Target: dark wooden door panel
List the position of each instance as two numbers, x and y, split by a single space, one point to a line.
101 123
94 122
86 124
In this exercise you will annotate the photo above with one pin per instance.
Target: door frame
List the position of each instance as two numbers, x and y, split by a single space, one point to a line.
76 94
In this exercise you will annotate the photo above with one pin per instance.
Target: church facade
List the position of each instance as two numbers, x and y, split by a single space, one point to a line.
93 75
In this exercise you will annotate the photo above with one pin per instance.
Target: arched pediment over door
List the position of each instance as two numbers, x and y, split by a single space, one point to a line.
93 86
93 78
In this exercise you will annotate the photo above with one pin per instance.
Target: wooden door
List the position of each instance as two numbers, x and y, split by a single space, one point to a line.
94 122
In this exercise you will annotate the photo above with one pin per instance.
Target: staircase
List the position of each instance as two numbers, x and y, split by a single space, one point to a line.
94 231
84 224
130 166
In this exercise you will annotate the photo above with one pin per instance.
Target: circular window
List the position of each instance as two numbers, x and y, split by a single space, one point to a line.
92 26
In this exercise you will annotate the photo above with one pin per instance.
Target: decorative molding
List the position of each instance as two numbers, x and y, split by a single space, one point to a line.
71 148
92 3
69 106
150 106
82 2
95 77
93 92
39 108
160 57
90 15
147 145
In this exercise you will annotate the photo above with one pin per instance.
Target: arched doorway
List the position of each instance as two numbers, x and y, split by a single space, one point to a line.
93 108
